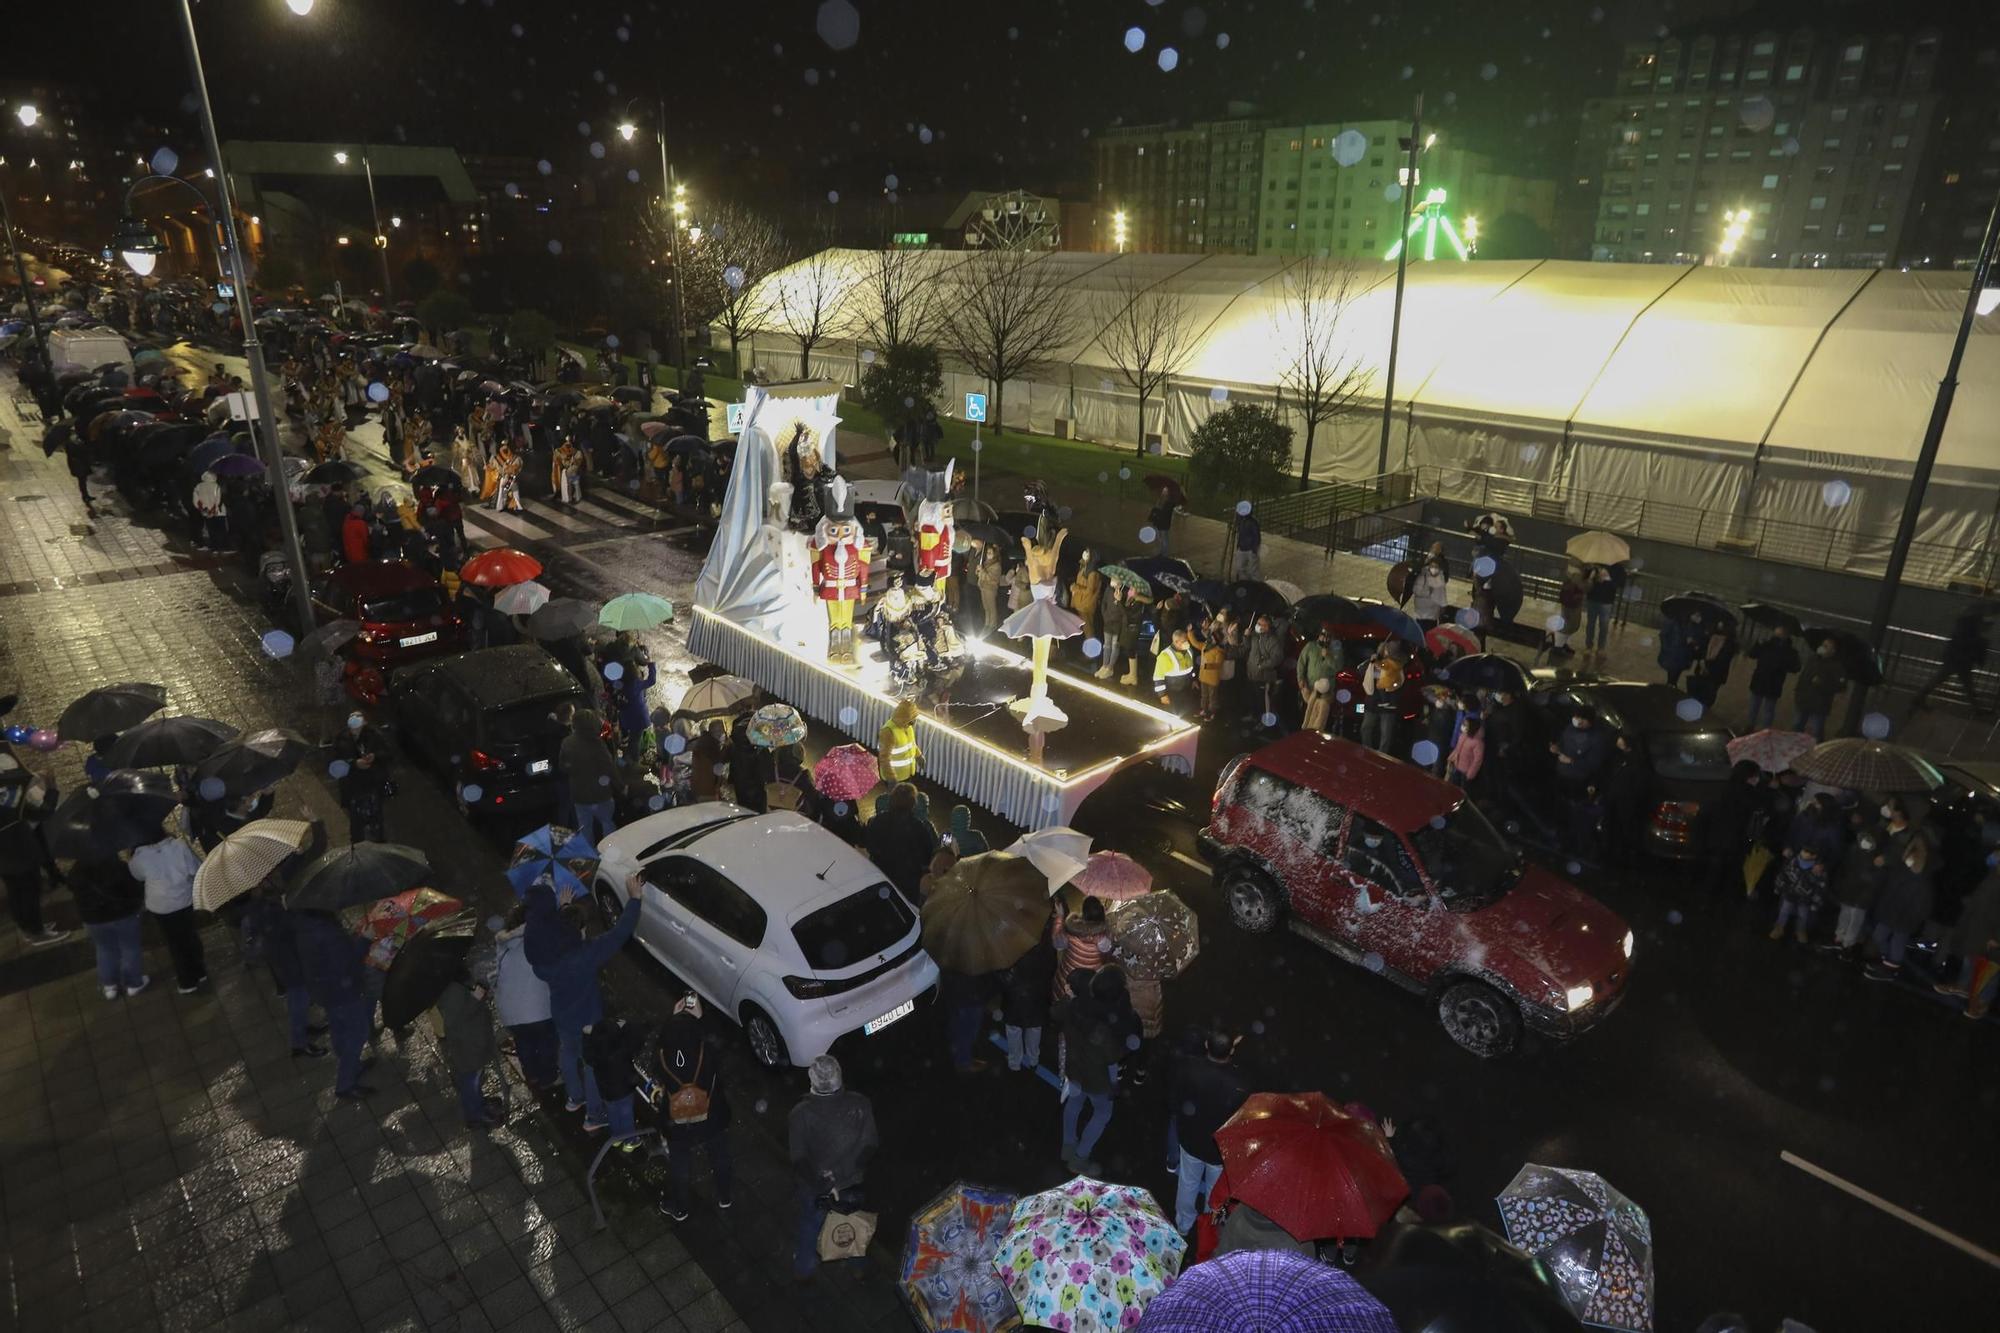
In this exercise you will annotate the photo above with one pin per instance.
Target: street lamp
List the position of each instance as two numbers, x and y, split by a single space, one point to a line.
674 198
1118 229
137 245
27 113
1734 220
626 129
374 214
1416 145
300 7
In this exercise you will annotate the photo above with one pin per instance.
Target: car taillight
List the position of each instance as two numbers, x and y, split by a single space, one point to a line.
1675 816
808 988
483 760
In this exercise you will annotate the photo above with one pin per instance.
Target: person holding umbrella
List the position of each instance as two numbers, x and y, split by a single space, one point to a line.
365 790
108 902
332 958
831 1135
1776 658
167 869
571 970
1820 683
1207 1089
586 762
265 920
468 1047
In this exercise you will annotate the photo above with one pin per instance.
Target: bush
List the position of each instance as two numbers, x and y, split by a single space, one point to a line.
899 384
443 311
531 332
1242 452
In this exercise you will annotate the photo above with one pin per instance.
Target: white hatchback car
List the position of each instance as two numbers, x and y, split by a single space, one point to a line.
773 921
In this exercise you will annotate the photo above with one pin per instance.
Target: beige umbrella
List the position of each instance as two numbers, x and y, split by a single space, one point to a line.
1598 548
985 913
240 861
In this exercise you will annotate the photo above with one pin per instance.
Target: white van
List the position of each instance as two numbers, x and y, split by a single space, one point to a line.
87 349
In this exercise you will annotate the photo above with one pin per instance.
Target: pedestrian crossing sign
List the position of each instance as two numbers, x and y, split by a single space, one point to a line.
975 407
735 413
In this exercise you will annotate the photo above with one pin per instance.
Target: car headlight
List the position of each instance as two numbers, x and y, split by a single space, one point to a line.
1578 996
1626 944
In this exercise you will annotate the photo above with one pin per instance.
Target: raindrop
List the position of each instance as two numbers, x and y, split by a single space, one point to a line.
165 161
1489 71
1574 867
1343 696
632 175
1790 147
1243 508
833 196
1269 719
1674 917
212 789
868 356
1104 476
555 247
1468 618
512 190
378 392
924 134
1169 59
518 30
614 670
1836 493
472 791
1147 535
674 743
1392 192
978 445
277 643
760 1106
1124 474
733 275
840 807
1092 647
623 33
889 182
1257 1028
1688 710
1372 961
583 128
1132 1042
1875 726
337 769
611 341
596 148
1051 801
1530 452
721 769
545 167
812 78
1437 821
839 24
1409 71
1349 147
1757 113
1554 624
1222 41
1135 39
1484 566
656 802
1424 753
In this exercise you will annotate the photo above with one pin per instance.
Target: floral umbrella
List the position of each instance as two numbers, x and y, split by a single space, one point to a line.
948 1275
1113 877
846 773
1772 751
388 923
1121 577
1598 1243
776 725
566 858
1086 1257
1155 937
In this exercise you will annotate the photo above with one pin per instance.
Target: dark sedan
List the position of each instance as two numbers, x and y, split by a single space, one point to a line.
490 720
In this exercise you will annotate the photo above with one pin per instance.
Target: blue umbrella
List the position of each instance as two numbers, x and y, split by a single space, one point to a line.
13 326
236 465
561 855
1398 622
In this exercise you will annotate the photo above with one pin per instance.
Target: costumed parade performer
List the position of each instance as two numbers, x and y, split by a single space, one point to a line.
839 566
1043 621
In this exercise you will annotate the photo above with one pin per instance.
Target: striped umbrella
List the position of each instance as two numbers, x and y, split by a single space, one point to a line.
1273 1291
1864 765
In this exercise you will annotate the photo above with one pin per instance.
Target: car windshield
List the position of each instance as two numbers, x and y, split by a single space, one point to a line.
410 604
530 721
1468 862
855 929
1695 755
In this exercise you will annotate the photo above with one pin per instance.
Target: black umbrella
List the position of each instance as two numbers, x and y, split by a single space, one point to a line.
1863 666
1325 608
359 873
683 445
162 742
110 709
336 472
630 393
124 811
1770 617
562 617
439 476
1489 671
1164 572
987 533
1686 605
250 763
1460 1277
429 960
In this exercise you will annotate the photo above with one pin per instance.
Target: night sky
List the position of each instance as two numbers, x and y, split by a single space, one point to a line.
941 94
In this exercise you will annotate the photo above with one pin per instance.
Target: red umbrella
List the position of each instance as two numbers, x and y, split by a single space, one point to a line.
1113 877
1447 641
846 773
501 567
1310 1166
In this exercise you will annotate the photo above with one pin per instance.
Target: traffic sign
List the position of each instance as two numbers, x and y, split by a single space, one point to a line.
735 414
975 407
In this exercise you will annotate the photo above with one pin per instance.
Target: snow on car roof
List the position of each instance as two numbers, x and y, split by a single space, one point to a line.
1394 794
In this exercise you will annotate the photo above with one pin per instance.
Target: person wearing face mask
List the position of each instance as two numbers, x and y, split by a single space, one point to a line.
1263 655
1428 592
1801 890
1976 941
1775 659
1820 682
1856 885
1905 904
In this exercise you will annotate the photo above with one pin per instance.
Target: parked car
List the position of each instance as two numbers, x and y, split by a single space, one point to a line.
1388 867
489 720
773 921
1686 759
401 610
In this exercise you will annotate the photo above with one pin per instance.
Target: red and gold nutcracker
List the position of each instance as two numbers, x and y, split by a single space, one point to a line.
839 569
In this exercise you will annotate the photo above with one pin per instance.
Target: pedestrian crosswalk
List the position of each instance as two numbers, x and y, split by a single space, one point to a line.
600 512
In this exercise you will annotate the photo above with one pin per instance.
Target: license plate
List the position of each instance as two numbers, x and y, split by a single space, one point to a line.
540 766
875 1025
416 639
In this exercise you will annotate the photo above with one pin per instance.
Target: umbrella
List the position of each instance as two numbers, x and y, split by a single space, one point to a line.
776 725
636 611
241 861
1598 1242
1763 613
520 599
1062 1241
948 1275
686 446
249 763
330 638
985 913
1270 1291
124 811
1398 622
430 960
652 430
1772 751
1285 588
845 773
595 403
566 858
562 618
1117 575
1449 641
1863 765
1254 597
717 695
388 923
1113 877
336 472
1709 607
1486 671
358 873
1155 937
1159 481
1060 853
1451 1276
109 709
393 493
436 476
1211 593
1164 574
425 351
1325 608
1598 548
1312 1167
499 567
1863 666
162 742
236 465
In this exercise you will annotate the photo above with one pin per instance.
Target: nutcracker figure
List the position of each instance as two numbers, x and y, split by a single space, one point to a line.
932 524
839 570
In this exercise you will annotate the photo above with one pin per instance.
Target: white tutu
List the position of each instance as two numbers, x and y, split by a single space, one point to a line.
1041 618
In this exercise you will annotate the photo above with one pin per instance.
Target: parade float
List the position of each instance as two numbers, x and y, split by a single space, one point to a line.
783 600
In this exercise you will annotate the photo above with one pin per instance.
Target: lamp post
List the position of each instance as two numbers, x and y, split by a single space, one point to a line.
1414 145
1734 221
1118 229
374 215
1981 298
265 427
674 201
27 114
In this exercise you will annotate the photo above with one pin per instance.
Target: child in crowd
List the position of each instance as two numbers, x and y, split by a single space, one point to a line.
1468 753
1801 890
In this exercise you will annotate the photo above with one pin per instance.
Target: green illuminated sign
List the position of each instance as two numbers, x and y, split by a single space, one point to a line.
912 238
1430 219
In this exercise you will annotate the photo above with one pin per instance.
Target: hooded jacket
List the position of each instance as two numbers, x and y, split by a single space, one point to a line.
330 957
586 762
574 998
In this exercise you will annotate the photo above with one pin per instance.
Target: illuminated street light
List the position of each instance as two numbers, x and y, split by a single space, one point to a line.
626 129
340 240
395 221
1118 229
1732 235
300 7
137 246
341 158
28 113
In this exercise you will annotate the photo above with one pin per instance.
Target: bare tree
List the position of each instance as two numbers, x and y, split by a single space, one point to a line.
1318 366
1147 331
725 267
903 298
811 302
1013 309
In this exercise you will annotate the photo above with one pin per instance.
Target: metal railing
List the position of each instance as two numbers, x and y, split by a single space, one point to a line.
1311 515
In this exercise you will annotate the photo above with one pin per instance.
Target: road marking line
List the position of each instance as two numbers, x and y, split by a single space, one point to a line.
1196 862
1041 1071
1929 1228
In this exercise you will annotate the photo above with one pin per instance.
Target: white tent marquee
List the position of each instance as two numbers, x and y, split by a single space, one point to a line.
1737 390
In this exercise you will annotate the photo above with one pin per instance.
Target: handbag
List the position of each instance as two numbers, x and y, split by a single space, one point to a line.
846 1235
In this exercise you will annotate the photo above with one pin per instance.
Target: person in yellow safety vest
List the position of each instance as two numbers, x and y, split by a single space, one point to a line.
1173 674
896 751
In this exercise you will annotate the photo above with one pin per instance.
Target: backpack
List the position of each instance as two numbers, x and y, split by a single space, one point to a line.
687 1104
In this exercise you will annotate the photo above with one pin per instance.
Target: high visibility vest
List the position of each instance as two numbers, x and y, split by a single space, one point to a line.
898 749
1172 664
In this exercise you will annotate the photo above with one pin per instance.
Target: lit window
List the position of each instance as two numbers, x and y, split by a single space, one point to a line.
1816 203
1770 182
